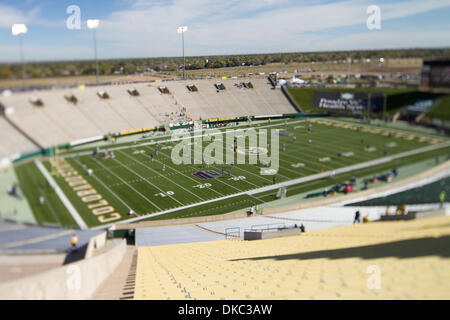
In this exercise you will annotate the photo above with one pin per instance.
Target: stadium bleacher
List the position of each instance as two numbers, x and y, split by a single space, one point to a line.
128 108
53 117
195 102
99 113
67 116
162 106
35 121
322 264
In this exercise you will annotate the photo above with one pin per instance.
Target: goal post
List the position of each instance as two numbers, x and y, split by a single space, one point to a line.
282 191
54 156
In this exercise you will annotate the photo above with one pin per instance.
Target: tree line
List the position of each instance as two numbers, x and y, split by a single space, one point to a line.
168 64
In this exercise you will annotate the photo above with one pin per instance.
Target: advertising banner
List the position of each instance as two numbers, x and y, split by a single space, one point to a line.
342 101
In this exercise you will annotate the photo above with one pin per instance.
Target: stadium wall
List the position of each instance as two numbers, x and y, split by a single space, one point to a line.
94 244
291 99
76 281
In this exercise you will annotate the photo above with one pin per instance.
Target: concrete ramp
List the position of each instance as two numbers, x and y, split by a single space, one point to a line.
173 235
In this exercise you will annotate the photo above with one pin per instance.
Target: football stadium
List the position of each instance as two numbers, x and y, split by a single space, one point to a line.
253 186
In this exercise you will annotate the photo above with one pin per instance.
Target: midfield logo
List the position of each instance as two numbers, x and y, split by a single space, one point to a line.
241 146
208 174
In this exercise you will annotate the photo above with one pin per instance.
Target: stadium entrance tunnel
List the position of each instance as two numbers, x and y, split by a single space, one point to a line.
192 88
164 90
102 94
247 85
71 98
127 234
133 92
220 86
37 102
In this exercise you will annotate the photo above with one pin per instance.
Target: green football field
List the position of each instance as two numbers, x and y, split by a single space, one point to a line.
133 181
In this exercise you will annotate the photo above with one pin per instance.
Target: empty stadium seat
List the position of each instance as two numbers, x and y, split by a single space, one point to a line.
333 263
141 106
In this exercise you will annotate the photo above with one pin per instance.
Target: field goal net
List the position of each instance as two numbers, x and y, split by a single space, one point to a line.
281 193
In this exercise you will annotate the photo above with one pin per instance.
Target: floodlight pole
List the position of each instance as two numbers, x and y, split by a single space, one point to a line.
95 53
22 58
182 30
184 58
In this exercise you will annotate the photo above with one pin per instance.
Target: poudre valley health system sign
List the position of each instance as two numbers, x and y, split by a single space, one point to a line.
355 102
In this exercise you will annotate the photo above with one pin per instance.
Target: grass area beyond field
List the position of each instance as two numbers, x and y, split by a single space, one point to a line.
34 186
395 98
441 110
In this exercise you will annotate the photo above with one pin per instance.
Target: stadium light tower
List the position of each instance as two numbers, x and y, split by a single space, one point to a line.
182 31
93 24
18 30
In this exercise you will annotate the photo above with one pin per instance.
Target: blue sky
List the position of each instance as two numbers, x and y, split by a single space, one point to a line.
147 28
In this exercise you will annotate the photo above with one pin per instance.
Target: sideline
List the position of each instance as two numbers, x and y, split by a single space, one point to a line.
73 212
358 166
169 139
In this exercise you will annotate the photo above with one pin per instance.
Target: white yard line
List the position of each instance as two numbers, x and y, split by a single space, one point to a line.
223 131
183 173
144 197
73 212
296 181
161 175
146 180
104 185
170 210
246 181
219 180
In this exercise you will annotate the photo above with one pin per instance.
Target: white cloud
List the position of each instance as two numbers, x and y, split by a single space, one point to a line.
148 27
10 15
379 40
240 26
